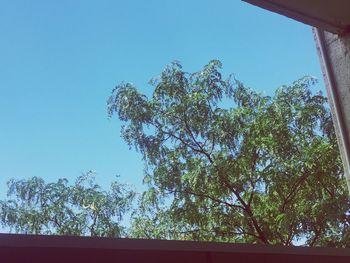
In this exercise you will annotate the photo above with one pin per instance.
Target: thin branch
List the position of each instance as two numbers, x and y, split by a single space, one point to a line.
92 227
202 150
209 197
290 236
248 211
245 206
316 236
294 190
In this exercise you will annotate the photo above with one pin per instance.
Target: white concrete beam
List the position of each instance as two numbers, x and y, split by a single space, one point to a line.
329 15
334 55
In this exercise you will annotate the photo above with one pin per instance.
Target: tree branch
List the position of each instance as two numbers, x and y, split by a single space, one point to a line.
316 236
209 197
245 206
294 190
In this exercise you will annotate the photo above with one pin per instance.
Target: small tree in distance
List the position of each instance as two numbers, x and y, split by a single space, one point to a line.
225 163
36 207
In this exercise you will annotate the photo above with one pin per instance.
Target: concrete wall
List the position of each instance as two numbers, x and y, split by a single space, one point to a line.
334 54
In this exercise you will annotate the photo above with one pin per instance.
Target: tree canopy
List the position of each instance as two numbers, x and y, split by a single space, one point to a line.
226 163
36 207
222 163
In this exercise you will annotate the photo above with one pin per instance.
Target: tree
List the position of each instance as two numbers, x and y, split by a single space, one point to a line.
36 207
226 163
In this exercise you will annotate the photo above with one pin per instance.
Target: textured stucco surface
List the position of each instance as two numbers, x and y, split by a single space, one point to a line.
336 53
339 55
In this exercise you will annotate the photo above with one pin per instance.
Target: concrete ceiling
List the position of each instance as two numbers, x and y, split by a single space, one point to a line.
329 15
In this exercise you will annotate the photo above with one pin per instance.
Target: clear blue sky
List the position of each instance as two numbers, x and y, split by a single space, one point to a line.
59 61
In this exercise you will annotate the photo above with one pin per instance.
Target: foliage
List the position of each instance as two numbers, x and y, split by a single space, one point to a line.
226 163
36 207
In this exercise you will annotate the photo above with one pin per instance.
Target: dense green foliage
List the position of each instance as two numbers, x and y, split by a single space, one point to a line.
225 163
83 208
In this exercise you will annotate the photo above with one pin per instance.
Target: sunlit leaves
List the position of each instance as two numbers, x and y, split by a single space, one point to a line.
231 164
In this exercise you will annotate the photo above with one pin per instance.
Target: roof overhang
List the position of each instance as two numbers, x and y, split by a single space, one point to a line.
329 15
36 248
